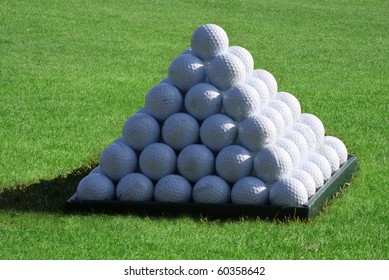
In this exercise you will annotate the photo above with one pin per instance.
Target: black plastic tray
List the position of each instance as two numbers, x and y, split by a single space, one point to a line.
307 211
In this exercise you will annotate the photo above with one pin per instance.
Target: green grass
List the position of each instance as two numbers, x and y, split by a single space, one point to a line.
72 72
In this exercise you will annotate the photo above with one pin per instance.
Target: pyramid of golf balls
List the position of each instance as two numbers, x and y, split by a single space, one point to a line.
216 130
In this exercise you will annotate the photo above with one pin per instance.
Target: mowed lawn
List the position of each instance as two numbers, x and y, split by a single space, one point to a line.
72 72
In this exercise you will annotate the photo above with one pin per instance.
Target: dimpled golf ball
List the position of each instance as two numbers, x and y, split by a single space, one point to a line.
157 160
272 163
163 100
233 162
255 132
173 188
338 146
292 102
186 71
211 189
218 131
306 179
250 190
261 89
331 155
241 101
288 192
225 71
268 79
312 170
203 100
135 187
299 140
321 162
180 130
284 110
195 161
291 148
276 118
245 56
209 40
95 187
315 124
307 132
117 160
140 130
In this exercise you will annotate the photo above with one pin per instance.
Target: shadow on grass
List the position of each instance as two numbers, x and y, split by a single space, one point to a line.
45 196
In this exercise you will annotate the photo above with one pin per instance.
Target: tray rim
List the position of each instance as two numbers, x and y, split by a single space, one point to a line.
307 211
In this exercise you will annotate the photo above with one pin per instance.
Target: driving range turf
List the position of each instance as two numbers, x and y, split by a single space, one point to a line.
72 72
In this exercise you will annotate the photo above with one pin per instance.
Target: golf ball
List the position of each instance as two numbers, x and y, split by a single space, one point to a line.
203 100
250 190
135 187
180 130
118 160
173 188
186 71
241 101
211 189
157 160
95 186
208 41
195 161
234 162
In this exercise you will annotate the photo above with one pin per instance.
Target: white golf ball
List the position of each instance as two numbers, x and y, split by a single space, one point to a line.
331 155
307 132
292 102
241 101
233 162
157 160
268 79
163 100
118 160
135 187
272 163
338 146
245 56
203 100
306 179
95 187
186 71
299 140
315 124
261 89
255 132
322 163
195 161
288 192
218 131
173 188
225 71
180 130
312 170
250 190
209 40
284 110
291 148
275 117
140 130
211 189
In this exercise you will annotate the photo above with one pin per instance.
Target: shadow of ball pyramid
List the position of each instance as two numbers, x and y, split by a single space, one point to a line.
216 130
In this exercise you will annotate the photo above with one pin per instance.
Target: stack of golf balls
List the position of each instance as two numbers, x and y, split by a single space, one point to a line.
216 130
